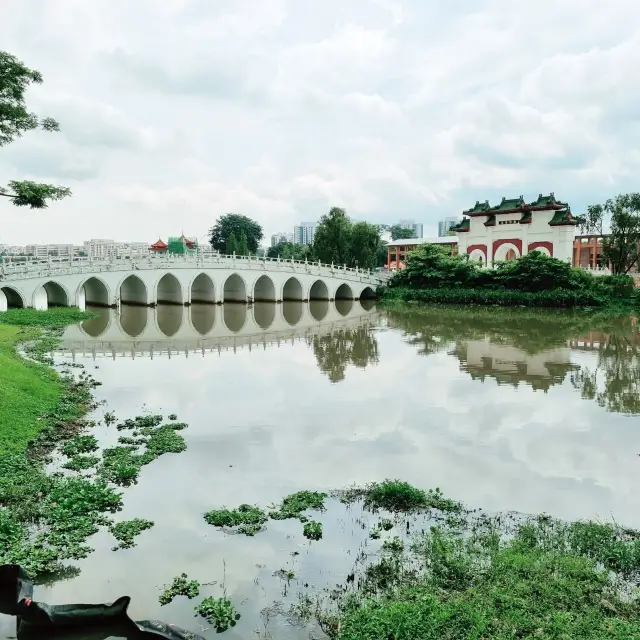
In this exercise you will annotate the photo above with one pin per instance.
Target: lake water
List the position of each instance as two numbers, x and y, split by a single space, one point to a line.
504 410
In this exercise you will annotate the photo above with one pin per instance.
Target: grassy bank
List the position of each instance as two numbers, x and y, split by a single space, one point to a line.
31 392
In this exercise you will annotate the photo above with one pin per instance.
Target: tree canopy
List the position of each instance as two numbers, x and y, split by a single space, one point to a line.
339 240
15 120
246 234
398 232
289 251
621 246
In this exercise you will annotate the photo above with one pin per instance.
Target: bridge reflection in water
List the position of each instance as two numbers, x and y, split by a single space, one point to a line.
172 330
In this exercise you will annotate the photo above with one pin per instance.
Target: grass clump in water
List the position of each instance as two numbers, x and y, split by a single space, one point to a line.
398 496
125 532
218 612
181 586
312 530
247 519
294 504
502 578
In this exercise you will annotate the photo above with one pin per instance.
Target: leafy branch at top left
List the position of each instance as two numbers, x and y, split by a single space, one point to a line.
15 120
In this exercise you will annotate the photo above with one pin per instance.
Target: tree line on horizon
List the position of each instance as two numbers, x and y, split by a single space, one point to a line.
338 239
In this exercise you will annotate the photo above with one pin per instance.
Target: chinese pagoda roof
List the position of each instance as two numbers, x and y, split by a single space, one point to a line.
159 245
563 218
516 205
478 208
509 204
464 225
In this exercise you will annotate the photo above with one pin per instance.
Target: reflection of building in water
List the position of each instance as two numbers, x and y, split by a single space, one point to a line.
509 365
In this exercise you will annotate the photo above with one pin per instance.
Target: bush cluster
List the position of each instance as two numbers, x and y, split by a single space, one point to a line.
432 275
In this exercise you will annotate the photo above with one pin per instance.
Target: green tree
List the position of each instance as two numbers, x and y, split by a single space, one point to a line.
332 238
288 251
382 254
236 224
15 120
231 246
243 245
364 245
398 232
620 247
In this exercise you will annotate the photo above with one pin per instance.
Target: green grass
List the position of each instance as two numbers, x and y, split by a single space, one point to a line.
28 390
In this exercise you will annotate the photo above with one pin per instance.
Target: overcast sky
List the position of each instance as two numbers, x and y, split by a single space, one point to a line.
178 111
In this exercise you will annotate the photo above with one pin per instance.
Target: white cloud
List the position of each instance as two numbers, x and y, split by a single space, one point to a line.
174 113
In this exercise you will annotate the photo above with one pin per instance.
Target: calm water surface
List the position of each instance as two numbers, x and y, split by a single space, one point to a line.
501 409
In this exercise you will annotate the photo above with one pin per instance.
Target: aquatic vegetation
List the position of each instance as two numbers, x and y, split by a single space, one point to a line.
385 524
109 418
495 577
81 462
285 574
219 613
245 519
172 416
125 532
181 586
294 504
312 530
80 444
398 496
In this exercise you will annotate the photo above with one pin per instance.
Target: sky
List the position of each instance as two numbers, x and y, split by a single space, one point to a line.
176 112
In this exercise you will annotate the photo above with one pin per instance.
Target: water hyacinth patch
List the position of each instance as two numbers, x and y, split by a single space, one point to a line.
180 586
125 532
218 612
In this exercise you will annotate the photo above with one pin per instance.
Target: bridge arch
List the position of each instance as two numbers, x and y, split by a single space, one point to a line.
292 290
169 290
12 298
367 294
50 294
133 291
95 327
202 289
234 317
235 289
344 292
264 290
367 303
96 292
318 291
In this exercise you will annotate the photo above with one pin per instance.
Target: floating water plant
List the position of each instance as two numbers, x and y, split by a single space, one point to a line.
245 519
219 613
80 444
398 496
125 532
294 504
181 586
81 462
312 530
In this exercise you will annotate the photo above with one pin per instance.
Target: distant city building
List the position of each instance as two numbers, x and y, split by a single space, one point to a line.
446 224
411 224
277 238
102 249
304 232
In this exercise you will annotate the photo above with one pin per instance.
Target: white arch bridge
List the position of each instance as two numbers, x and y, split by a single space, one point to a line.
180 280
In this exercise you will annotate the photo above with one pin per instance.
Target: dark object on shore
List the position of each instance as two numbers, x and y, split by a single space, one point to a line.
94 621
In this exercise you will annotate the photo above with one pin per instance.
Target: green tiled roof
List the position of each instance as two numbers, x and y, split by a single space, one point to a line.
491 221
526 217
478 208
547 201
465 225
563 217
508 204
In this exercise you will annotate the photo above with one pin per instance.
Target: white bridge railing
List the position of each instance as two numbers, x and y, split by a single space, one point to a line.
12 269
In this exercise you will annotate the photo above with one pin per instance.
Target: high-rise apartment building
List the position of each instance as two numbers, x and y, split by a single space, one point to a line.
304 232
277 238
446 224
411 224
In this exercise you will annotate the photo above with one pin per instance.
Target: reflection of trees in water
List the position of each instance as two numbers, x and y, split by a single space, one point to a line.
335 351
615 382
